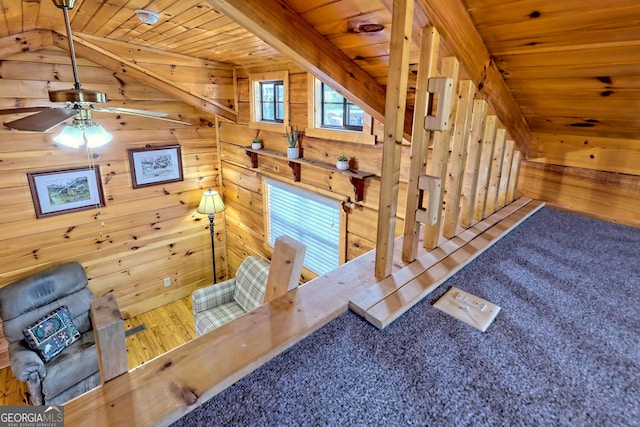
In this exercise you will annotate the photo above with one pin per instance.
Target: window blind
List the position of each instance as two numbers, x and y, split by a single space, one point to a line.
307 217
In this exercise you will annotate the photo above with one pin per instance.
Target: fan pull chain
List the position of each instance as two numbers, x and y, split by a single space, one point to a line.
92 166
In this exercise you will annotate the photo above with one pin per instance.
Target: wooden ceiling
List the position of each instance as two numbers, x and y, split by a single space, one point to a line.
571 70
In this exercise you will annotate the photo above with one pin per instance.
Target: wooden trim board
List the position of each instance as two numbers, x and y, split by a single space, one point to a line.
407 295
377 292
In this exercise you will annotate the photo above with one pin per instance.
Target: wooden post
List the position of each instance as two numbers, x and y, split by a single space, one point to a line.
458 158
468 199
504 175
395 105
427 68
486 153
286 267
108 331
494 173
512 187
440 158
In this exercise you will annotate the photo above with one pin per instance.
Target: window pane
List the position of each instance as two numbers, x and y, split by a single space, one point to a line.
311 219
355 115
337 112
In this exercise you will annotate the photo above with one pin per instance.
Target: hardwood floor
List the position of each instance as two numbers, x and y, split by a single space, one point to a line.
166 328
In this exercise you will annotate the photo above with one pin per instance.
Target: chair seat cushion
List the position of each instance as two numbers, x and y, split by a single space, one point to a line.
217 316
73 365
51 334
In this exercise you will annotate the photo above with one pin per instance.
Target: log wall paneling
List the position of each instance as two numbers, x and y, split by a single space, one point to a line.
615 197
141 236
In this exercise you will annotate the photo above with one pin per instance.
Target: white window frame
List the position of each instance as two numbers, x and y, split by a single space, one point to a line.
254 99
315 197
314 112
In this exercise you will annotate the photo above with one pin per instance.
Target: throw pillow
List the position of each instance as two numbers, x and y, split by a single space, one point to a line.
52 334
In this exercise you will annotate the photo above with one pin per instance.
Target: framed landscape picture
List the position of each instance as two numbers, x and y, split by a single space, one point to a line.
67 190
155 165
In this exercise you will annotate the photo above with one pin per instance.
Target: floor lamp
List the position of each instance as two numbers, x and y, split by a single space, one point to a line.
211 204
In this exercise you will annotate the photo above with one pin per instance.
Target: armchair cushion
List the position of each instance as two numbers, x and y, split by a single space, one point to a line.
251 282
220 303
51 334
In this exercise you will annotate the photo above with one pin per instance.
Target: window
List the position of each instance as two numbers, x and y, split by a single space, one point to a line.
307 217
272 101
332 116
269 98
338 112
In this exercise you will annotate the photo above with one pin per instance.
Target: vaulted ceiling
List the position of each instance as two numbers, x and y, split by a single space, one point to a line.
548 67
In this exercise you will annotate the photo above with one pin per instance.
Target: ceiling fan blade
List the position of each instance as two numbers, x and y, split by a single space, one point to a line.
44 120
143 113
23 110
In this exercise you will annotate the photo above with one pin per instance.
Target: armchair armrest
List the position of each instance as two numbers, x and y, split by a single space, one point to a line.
25 363
206 298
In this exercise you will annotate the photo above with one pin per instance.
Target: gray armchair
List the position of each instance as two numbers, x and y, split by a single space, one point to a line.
22 303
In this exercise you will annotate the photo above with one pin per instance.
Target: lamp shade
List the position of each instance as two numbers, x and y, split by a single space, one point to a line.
210 203
96 136
70 136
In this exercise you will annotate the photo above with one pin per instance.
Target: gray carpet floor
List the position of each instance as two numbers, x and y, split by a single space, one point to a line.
563 351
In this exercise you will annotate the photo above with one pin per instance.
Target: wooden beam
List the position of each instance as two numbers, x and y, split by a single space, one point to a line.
108 331
286 265
283 29
117 64
427 67
456 27
29 41
395 108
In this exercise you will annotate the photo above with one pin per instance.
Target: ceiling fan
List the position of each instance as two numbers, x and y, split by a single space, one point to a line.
79 101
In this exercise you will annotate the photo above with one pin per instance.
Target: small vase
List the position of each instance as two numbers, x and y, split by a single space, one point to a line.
342 165
256 145
293 152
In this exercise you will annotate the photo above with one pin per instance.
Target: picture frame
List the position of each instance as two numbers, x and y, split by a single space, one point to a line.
56 192
155 165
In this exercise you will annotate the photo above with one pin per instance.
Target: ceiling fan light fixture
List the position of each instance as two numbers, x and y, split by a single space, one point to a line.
147 16
70 136
96 136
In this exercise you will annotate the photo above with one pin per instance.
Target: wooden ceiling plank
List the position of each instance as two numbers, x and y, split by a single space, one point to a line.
282 28
456 27
119 65
29 15
30 41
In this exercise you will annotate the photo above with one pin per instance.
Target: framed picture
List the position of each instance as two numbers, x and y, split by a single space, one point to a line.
67 190
155 165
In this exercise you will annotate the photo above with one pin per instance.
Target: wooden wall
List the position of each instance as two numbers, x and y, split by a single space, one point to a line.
595 176
242 184
142 235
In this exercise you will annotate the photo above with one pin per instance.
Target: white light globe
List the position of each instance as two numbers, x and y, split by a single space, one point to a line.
96 136
70 136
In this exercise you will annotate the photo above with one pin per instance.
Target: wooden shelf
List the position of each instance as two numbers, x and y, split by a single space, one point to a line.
356 177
